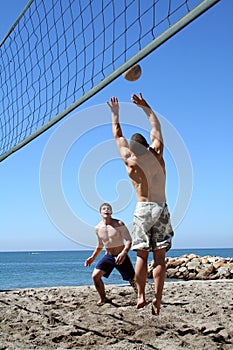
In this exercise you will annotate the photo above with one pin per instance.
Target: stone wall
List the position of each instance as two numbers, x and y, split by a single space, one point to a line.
194 267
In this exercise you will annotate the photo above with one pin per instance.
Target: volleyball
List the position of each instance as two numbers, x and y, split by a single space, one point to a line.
133 73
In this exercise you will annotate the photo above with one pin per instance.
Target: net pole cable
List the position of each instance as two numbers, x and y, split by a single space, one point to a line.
60 53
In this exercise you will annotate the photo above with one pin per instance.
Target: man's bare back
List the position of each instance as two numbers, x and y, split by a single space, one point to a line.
148 177
145 166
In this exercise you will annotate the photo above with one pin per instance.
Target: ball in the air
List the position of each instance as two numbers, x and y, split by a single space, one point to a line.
133 73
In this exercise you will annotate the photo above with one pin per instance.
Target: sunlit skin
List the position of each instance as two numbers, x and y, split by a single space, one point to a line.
148 176
111 234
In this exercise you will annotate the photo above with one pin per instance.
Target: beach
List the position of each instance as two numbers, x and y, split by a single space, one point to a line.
194 315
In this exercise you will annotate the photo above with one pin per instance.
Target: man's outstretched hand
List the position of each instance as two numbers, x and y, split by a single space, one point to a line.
139 100
114 105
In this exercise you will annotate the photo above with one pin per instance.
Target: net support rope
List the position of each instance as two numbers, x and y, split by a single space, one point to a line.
59 53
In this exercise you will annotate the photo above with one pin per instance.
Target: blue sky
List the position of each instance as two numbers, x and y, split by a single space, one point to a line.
189 82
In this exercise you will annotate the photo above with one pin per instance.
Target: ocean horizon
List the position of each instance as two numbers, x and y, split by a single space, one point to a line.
39 269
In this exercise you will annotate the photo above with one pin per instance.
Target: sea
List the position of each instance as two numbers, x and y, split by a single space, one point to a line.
66 268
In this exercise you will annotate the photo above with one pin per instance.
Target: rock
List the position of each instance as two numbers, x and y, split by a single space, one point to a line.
182 269
209 269
172 273
218 264
192 276
175 263
223 270
192 256
202 275
191 266
214 276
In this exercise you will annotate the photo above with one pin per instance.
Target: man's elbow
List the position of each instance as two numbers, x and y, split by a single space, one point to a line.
116 130
115 134
129 243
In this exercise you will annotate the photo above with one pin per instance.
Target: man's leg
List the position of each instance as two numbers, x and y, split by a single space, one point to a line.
134 285
141 276
127 272
99 285
159 277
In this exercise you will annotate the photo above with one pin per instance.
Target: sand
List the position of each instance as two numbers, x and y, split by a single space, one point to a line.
194 315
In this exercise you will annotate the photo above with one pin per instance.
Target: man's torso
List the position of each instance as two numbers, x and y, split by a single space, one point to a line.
147 174
111 236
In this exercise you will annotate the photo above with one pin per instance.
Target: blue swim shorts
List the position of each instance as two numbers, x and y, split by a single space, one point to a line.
108 263
152 228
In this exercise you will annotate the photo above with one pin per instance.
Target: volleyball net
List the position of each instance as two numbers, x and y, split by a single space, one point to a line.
59 53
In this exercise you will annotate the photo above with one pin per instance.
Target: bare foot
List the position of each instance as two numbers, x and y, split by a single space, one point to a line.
155 307
103 301
141 304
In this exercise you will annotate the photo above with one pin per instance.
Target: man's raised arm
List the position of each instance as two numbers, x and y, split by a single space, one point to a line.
114 107
122 144
156 133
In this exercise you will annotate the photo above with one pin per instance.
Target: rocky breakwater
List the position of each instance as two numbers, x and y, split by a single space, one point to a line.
194 267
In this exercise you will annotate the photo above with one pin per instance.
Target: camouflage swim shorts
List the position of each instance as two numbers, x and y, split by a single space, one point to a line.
151 227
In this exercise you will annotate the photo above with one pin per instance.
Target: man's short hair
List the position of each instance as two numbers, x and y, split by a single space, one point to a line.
138 144
102 205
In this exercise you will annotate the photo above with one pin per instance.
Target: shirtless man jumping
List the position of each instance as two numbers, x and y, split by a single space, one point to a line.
111 234
152 229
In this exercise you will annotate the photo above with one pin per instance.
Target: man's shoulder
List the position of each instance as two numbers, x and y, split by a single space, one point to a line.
118 222
97 226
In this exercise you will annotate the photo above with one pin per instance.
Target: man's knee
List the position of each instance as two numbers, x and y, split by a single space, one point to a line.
159 257
96 275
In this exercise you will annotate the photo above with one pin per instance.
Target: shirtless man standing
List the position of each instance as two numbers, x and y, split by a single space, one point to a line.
152 229
111 234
